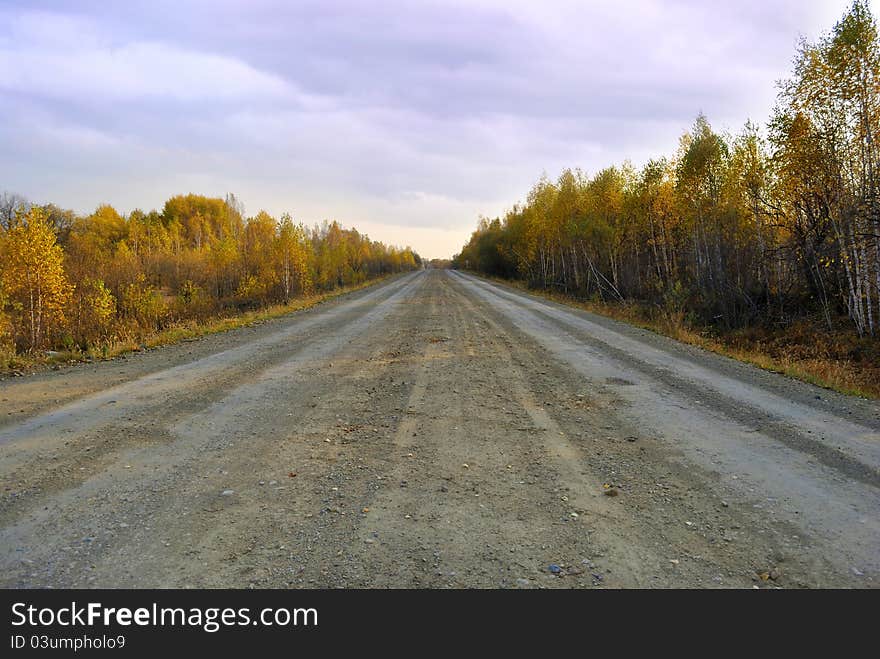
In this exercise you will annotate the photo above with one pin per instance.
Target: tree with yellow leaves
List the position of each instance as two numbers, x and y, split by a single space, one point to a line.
293 255
33 279
72 282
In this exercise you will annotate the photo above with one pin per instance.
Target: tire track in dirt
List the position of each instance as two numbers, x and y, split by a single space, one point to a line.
850 448
478 501
719 461
583 489
191 469
64 448
638 546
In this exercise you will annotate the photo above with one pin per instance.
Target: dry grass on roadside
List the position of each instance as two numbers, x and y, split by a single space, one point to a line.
191 329
833 360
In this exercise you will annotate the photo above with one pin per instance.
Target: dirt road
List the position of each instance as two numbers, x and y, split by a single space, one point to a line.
435 431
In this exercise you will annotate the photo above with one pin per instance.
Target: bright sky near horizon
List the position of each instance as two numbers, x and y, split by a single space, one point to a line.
406 120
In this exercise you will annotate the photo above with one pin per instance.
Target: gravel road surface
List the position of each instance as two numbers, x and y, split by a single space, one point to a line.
436 430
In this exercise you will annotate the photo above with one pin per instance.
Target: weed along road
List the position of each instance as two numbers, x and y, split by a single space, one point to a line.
436 430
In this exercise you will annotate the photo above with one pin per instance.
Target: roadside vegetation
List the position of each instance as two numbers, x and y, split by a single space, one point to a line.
764 245
794 353
85 287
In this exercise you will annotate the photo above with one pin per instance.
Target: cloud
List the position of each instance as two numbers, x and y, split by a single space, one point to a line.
411 118
58 57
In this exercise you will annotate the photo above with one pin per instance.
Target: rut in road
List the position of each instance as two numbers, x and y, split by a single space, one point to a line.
434 431
814 468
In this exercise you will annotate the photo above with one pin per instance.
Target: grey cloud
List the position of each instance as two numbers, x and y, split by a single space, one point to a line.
397 114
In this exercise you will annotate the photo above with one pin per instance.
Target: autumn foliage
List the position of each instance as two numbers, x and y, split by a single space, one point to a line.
77 283
732 231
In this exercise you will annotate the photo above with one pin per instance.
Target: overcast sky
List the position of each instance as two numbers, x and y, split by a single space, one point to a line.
404 119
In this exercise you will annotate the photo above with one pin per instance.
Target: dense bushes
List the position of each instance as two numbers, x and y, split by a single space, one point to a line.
69 282
734 230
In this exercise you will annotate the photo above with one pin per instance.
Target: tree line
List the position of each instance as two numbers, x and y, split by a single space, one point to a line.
79 282
760 227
